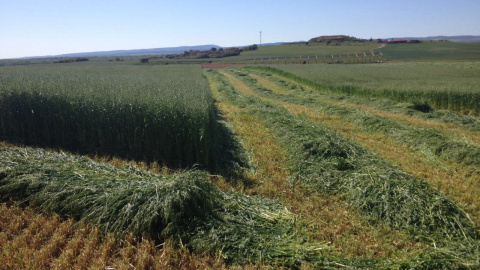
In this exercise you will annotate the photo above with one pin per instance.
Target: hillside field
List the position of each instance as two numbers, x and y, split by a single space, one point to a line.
122 165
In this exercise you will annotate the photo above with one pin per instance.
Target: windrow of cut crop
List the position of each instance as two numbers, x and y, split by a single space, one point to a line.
326 162
157 114
186 207
464 102
393 109
430 140
437 148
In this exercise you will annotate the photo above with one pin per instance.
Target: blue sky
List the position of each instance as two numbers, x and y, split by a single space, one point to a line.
49 27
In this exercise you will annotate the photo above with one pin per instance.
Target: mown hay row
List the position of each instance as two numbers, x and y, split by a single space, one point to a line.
324 160
432 141
330 158
127 200
185 207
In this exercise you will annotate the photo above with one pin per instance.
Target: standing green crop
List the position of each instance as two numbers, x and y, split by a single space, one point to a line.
155 113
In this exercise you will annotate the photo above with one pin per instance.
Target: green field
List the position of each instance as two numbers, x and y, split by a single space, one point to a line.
291 53
443 85
315 166
432 50
402 76
301 49
163 113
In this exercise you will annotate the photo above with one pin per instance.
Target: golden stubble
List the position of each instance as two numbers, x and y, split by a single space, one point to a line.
30 240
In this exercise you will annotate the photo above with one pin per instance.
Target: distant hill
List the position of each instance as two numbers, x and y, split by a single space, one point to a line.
469 39
335 38
277 43
149 52
136 52
181 49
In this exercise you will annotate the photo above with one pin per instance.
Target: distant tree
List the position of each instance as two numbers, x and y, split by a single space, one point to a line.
232 52
252 47
81 59
144 60
203 55
67 60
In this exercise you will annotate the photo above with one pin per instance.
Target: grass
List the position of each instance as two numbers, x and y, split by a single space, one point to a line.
184 207
452 87
311 152
443 146
455 153
161 115
297 50
330 164
333 220
455 180
405 76
295 53
432 50
242 228
156 114
71 188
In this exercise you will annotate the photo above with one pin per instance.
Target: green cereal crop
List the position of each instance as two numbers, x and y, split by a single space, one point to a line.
160 113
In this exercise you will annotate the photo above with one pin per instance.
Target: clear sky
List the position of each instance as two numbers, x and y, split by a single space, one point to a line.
50 27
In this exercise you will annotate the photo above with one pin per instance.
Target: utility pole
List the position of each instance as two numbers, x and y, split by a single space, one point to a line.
260 37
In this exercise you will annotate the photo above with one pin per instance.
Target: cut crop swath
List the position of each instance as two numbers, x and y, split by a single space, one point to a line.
186 206
325 161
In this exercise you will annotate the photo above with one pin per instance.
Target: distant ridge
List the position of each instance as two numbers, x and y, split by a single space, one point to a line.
277 43
155 51
465 38
135 52
140 52
181 49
